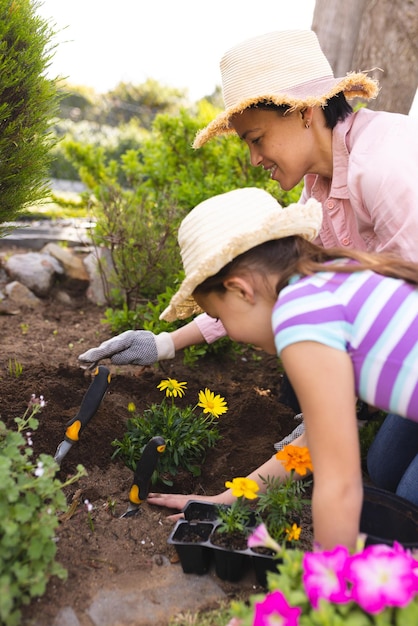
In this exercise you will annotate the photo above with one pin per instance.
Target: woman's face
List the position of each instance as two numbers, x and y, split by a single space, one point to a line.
281 143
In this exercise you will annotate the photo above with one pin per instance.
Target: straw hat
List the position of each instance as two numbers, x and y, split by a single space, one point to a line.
224 226
282 67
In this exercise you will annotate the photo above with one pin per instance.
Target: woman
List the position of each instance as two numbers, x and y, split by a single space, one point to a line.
282 99
344 324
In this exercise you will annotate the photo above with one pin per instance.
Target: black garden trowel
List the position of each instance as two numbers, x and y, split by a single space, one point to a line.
143 473
89 406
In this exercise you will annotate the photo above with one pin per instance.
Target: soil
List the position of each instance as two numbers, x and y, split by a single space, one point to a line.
46 343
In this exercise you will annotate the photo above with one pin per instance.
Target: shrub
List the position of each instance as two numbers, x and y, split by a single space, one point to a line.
30 498
138 221
28 102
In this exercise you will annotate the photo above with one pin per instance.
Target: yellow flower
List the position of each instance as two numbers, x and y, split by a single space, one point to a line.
243 487
131 407
215 405
293 534
172 387
295 458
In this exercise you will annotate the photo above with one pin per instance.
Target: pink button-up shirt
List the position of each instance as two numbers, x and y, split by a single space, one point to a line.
371 203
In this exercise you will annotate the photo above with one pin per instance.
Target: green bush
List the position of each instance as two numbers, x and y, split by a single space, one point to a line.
30 498
28 102
165 179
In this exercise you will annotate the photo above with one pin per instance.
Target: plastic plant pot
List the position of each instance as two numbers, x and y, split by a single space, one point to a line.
263 563
386 518
191 543
230 565
197 510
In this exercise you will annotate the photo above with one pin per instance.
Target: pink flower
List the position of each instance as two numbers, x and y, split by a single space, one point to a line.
275 611
261 537
323 576
382 576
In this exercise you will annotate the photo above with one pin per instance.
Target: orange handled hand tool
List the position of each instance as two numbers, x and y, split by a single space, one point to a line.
89 405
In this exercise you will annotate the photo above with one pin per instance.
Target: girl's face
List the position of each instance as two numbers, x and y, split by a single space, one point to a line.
244 313
283 145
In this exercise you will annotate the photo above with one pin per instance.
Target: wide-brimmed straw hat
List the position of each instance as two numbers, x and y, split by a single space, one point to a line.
224 226
282 67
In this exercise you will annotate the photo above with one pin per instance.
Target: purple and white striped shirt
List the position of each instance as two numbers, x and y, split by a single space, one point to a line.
371 317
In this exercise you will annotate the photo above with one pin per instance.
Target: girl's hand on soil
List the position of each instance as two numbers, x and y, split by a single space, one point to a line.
179 501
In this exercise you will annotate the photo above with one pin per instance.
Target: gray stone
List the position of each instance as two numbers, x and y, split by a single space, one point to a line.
100 258
153 598
34 270
66 617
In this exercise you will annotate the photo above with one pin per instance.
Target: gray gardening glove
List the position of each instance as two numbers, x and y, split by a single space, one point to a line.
139 347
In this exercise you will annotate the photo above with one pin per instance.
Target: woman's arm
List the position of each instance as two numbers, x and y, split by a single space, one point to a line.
323 380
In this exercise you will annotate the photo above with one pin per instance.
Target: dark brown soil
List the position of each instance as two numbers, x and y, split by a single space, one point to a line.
46 343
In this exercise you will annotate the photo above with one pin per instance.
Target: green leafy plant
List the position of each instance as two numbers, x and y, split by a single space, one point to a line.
188 433
138 204
236 517
282 502
28 103
30 499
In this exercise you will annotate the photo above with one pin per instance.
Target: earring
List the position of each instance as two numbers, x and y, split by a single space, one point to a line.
307 125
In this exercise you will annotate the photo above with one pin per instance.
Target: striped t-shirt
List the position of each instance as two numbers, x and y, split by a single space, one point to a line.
371 317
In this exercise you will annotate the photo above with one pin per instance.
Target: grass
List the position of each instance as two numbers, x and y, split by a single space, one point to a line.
61 205
213 617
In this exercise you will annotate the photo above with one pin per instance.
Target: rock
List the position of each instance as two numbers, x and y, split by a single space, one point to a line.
75 277
20 295
67 275
95 263
72 264
35 270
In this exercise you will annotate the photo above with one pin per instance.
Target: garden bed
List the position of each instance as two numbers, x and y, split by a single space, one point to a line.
46 343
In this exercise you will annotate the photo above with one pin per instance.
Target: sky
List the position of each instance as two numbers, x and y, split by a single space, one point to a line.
179 43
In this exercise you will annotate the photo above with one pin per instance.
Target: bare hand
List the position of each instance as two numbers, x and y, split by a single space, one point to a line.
178 501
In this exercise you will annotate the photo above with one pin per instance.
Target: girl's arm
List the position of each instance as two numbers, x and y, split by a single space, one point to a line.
271 468
323 380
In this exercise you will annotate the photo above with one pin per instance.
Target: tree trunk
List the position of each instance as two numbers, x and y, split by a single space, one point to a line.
366 35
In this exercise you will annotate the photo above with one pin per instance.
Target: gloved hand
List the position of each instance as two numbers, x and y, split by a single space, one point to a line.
139 347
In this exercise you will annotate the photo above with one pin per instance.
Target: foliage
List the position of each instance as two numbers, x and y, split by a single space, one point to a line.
165 178
114 141
28 102
375 586
281 505
30 498
142 102
236 517
187 433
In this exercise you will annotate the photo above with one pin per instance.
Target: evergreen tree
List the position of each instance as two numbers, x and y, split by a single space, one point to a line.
28 103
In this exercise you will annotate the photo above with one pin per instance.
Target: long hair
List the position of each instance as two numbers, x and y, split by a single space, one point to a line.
294 255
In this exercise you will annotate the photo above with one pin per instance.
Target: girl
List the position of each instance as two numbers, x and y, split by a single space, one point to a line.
344 324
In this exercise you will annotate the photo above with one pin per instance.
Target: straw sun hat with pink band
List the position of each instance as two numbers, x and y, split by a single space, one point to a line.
219 229
282 67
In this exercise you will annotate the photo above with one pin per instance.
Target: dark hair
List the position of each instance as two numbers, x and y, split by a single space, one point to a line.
295 255
336 109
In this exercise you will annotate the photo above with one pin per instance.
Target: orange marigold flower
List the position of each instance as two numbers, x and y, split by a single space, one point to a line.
293 533
295 458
